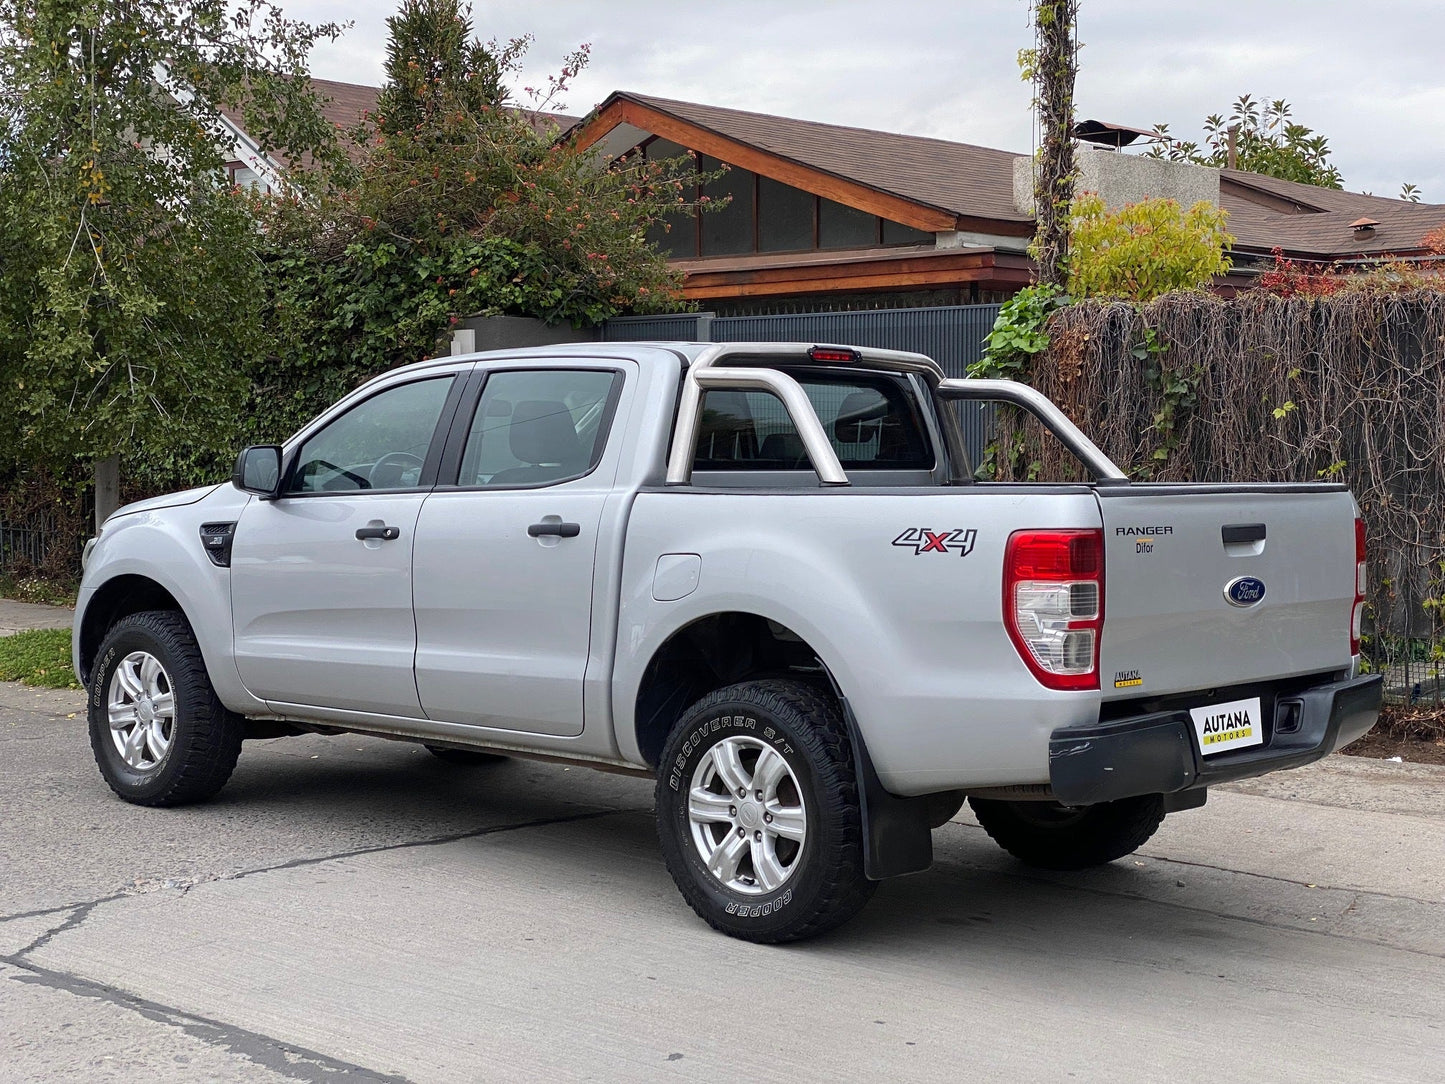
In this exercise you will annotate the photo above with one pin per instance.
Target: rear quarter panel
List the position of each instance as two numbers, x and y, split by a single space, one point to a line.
913 637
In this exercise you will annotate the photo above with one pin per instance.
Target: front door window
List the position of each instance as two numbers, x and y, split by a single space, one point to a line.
381 443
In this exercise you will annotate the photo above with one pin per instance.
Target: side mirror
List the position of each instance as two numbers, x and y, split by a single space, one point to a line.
258 470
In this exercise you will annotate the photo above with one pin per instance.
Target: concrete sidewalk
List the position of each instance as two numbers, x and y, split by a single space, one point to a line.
22 616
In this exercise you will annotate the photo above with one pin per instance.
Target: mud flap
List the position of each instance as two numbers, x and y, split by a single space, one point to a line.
897 838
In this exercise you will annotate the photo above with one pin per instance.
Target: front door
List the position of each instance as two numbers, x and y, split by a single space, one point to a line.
504 562
321 576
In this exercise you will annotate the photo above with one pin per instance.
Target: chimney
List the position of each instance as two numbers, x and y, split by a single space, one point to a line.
1125 178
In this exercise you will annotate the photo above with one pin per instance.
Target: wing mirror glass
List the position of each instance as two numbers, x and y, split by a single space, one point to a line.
258 470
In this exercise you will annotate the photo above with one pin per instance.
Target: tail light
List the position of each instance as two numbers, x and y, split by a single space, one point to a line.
1053 604
1357 615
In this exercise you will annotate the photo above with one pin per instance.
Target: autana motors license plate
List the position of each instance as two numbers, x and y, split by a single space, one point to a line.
1222 727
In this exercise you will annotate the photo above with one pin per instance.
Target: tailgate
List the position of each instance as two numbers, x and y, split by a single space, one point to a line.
1172 554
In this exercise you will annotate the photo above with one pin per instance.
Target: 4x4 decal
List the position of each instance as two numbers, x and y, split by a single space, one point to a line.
921 540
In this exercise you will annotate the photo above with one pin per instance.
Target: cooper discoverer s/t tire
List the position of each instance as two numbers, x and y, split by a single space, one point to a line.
1053 836
159 733
758 812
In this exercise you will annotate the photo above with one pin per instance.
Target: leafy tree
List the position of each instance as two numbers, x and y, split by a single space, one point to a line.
1267 141
472 206
1145 249
130 284
433 63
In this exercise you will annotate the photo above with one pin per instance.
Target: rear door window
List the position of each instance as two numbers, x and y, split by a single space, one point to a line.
538 427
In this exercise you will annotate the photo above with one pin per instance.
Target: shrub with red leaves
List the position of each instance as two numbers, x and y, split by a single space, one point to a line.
1291 280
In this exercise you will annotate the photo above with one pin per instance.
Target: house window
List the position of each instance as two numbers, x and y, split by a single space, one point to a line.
896 233
730 231
840 226
679 237
764 215
785 217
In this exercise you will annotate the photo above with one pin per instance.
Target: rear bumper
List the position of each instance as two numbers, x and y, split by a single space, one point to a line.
1157 753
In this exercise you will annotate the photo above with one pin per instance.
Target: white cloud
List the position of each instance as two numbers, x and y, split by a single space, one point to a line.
1368 77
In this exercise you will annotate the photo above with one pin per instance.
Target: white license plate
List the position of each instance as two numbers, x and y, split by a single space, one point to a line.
1222 727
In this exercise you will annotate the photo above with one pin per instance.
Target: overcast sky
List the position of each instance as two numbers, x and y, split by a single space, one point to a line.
1369 75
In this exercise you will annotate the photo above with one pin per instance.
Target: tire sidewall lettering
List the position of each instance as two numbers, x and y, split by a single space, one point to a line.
101 677
694 742
760 910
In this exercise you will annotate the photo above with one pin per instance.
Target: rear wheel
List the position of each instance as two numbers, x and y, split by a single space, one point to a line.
758 814
159 733
1054 836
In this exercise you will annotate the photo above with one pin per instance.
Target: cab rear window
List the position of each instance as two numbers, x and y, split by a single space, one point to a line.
872 422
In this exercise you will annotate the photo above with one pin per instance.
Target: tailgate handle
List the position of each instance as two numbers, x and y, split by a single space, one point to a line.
1234 533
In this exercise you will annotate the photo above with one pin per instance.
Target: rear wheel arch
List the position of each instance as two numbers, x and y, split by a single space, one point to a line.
118 598
709 653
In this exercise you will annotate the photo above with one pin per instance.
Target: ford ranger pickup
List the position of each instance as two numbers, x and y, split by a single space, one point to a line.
761 573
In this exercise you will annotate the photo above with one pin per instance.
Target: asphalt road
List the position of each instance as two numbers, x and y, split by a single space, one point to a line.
355 909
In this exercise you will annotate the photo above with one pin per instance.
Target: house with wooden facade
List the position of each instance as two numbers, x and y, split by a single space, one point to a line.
826 218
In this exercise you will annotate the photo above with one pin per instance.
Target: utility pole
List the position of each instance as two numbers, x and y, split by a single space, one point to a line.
1056 65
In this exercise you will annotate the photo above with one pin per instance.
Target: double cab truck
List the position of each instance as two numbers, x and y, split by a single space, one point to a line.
762 574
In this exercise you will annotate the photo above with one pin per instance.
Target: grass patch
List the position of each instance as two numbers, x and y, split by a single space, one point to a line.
39 657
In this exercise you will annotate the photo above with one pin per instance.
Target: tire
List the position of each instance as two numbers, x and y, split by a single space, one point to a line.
464 757
789 738
1048 835
184 742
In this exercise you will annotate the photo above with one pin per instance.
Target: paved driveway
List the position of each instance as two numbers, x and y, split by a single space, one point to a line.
353 909
20 616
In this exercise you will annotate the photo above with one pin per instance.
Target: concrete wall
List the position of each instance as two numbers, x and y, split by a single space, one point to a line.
1126 178
514 332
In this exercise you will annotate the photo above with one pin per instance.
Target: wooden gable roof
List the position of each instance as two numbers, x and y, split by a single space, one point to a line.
929 184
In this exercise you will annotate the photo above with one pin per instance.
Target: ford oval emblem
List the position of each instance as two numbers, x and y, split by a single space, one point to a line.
1244 591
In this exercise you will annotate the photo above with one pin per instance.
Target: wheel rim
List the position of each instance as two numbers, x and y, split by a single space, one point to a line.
141 707
746 812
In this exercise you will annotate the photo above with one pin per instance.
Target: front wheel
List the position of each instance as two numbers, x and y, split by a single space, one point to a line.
1054 836
159 733
758 812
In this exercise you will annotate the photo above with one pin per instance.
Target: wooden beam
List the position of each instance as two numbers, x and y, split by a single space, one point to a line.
844 278
744 156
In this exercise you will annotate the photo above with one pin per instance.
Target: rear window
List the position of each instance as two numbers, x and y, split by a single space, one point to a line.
872 422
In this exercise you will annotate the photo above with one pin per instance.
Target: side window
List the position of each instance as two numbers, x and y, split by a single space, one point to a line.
381 443
871 422
538 426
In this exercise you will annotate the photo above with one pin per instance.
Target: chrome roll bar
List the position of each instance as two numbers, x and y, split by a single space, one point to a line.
1041 407
705 373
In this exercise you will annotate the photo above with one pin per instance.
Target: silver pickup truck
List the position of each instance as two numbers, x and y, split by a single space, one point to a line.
762 574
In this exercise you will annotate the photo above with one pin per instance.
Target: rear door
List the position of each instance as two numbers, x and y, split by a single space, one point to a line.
506 547
1217 585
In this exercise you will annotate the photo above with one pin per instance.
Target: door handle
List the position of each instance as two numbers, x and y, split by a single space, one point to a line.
562 530
386 534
